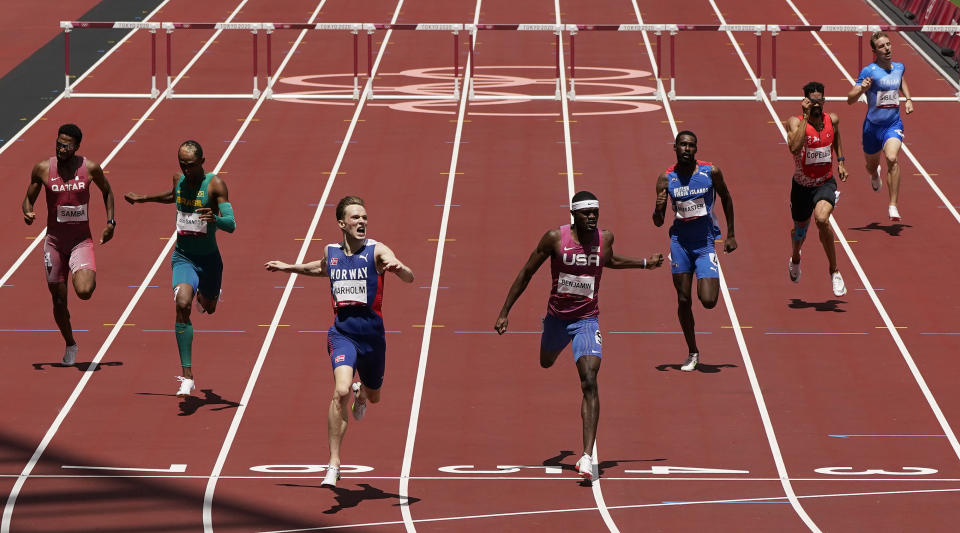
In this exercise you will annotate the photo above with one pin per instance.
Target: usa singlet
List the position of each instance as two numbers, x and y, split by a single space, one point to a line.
67 202
356 288
576 272
692 199
814 162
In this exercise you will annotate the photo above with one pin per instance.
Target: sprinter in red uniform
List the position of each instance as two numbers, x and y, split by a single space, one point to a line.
68 246
577 252
814 140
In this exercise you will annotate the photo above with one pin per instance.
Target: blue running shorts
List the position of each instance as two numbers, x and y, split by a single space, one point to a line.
584 332
698 256
874 136
364 353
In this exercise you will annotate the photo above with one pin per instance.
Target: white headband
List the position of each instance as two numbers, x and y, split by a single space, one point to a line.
585 204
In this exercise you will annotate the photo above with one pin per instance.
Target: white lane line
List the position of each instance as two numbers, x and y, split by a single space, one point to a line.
737 331
595 485
75 395
772 499
908 359
93 67
404 489
926 176
307 241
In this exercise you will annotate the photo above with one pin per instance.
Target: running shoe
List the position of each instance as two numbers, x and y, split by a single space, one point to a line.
839 289
875 181
691 363
186 386
794 270
331 477
70 354
894 214
585 467
359 406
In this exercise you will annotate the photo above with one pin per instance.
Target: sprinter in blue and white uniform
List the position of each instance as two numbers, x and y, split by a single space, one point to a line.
882 81
692 186
356 342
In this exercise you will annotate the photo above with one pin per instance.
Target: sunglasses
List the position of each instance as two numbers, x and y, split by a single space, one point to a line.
65 146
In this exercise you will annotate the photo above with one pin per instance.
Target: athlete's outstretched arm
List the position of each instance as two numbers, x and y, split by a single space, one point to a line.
540 254
316 268
33 191
838 147
617 261
730 243
161 198
908 105
387 262
661 206
97 177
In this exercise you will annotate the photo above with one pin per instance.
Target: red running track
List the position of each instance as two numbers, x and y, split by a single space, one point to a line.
485 402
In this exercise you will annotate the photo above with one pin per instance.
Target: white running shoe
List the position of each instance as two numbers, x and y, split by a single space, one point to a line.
359 406
894 214
839 289
875 182
585 467
794 270
331 477
186 386
70 354
691 363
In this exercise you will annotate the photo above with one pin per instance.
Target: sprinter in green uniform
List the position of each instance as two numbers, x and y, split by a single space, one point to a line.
203 207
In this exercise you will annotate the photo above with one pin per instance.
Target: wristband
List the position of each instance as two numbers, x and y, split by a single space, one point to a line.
841 159
112 222
644 263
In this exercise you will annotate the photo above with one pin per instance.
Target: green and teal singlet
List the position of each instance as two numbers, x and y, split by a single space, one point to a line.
193 235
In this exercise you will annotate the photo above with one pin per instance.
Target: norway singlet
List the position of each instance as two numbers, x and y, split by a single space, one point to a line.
356 289
692 199
67 204
576 272
814 162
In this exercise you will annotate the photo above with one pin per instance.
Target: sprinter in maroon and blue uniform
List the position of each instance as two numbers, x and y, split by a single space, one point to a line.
692 186
577 252
356 342
68 247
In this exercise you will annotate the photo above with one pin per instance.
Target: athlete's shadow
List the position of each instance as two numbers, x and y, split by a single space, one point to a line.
829 305
190 404
82 367
556 461
347 498
892 229
701 367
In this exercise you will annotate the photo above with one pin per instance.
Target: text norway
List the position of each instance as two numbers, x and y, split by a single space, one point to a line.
348 273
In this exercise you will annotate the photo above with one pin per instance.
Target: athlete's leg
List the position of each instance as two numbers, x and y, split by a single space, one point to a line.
183 297
797 235
84 283
553 340
708 291
873 164
58 291
209 279
588 366
821 213
891 150
339 409
683 282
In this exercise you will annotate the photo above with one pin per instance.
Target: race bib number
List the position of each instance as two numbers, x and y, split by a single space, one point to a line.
888 98
350 292
72 213
817 156
579 285
689 209
190 224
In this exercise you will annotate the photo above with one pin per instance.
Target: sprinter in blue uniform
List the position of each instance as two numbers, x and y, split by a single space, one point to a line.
692 186
356 342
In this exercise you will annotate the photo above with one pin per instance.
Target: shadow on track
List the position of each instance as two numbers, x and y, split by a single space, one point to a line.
827 306
347 498
556 461
892 229
701 367
82 367
190 404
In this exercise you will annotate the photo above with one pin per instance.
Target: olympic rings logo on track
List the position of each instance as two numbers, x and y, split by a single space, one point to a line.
488 81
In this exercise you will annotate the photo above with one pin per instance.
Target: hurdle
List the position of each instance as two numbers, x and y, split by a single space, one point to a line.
69 26
858 31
